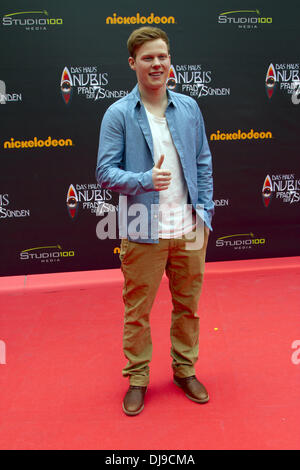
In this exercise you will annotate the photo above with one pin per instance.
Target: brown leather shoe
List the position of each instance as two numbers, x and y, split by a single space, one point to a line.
133 402
192 388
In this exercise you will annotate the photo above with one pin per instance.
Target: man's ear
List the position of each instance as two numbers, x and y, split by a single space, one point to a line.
131 63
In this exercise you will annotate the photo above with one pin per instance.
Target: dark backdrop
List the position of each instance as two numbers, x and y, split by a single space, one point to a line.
221 54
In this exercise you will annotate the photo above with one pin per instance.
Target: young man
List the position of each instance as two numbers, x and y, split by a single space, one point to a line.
153 151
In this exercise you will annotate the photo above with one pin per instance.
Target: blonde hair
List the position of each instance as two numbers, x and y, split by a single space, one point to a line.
141 35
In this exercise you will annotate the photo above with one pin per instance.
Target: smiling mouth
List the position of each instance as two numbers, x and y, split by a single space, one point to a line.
156 74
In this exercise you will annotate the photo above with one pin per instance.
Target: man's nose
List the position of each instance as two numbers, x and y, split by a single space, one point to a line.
156 62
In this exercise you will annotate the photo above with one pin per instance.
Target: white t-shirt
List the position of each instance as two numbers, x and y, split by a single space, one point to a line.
175 216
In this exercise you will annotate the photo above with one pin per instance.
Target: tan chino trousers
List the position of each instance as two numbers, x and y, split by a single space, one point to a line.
143 265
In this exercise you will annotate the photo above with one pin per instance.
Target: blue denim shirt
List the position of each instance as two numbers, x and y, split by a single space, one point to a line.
126 159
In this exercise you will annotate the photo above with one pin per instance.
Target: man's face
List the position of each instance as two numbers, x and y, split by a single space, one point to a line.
151 64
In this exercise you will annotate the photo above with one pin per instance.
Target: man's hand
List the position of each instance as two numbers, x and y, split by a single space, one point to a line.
161 178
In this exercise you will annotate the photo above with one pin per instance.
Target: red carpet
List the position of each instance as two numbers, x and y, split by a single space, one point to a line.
61 361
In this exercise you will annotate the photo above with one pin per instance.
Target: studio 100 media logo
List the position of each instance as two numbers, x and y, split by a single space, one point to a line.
35 20
46 254
244 20
241 241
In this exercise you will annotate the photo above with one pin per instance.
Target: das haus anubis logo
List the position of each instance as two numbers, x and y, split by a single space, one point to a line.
195 80
267 191
89 197
284 77
88 82
66 85
282 187
270 81
72 201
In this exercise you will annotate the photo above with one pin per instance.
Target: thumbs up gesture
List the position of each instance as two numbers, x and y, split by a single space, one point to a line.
161 178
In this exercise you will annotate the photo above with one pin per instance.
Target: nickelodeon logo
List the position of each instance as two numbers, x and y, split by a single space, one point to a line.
35 142
240 135
138 19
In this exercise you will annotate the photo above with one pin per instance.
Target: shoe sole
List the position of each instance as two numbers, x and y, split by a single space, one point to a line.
205 400
132 413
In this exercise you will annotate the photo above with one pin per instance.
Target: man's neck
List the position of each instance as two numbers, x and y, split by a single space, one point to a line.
155 101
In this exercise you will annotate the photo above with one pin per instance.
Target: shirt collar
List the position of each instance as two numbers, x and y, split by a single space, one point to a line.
137 97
